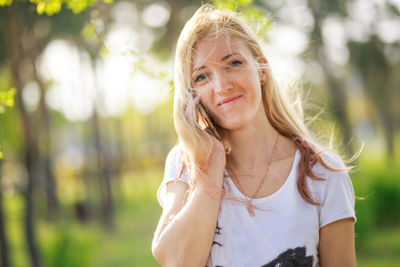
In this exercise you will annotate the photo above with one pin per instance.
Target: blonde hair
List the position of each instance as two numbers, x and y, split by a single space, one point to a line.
195 146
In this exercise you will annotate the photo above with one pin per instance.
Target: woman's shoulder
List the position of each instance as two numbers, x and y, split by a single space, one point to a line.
335 192
334 174
174 155
333 159
174 165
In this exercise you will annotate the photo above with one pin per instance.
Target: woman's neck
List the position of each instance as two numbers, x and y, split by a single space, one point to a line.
251 145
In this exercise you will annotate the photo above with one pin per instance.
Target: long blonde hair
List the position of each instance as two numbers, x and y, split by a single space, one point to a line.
196 147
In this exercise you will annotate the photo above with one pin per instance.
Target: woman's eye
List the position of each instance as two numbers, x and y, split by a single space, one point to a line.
200 78
236 62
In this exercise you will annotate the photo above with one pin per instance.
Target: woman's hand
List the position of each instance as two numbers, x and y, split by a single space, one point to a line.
212 169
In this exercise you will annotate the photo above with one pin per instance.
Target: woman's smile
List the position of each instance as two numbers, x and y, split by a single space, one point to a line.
228 102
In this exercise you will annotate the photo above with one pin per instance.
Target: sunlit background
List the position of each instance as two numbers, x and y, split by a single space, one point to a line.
84 137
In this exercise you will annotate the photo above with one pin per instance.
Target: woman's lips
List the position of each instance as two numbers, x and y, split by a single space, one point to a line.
229 101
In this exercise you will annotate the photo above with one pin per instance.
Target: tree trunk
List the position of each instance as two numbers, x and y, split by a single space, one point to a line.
173 25
51 187
387 113
104 171
116 134
339 105
30 146
380 83
336 88
4 249
389 134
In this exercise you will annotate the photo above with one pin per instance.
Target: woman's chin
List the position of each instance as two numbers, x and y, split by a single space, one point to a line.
233 124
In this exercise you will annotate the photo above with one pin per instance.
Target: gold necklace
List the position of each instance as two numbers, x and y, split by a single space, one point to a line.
250 206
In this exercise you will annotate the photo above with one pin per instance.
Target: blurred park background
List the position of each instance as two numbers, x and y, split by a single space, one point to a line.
86 117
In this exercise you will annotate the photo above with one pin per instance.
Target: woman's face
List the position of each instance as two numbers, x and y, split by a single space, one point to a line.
226 78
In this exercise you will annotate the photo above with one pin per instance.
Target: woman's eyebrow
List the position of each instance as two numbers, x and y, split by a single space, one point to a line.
228 56
198 68
222 59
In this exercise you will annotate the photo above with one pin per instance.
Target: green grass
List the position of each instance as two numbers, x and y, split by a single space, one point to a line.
70 243
130 243
13 208
378 213
381 247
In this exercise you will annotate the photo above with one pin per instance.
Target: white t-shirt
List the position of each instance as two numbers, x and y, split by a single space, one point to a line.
285 228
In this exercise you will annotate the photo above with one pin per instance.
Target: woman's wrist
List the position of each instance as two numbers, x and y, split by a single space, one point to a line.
211 190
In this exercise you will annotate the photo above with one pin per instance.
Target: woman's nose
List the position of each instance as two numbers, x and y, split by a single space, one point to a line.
221 83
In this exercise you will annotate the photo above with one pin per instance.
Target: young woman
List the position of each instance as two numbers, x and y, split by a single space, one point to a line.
260 191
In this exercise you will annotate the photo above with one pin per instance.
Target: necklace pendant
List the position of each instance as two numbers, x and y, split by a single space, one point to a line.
250 210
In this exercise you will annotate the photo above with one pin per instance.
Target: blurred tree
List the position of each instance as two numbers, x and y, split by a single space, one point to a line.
334 83
4 248
373 58
376 61
18 15
381 83
6 100
44 133
94 45
30 145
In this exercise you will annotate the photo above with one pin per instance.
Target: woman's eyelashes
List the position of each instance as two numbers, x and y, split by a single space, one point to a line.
235 63
204 76
200 78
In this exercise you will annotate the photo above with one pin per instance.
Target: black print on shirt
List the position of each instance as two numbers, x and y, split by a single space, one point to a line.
217 232
216 243
292 258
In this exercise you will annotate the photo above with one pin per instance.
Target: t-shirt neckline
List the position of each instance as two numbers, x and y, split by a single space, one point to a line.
277 192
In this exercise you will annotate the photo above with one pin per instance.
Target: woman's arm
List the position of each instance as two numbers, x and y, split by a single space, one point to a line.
336 244
184 235
185 231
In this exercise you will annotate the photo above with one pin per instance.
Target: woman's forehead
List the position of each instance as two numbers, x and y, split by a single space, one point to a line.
216 46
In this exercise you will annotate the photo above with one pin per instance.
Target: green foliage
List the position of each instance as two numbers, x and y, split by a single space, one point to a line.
89 31
51 7
5 2
380 248
79 5
231 5
7 99
93 34
70 249
379 187
104 51
254 17
141 65
387 199
128 244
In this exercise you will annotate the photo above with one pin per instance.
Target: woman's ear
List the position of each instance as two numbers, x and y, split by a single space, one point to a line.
262 64
262 60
